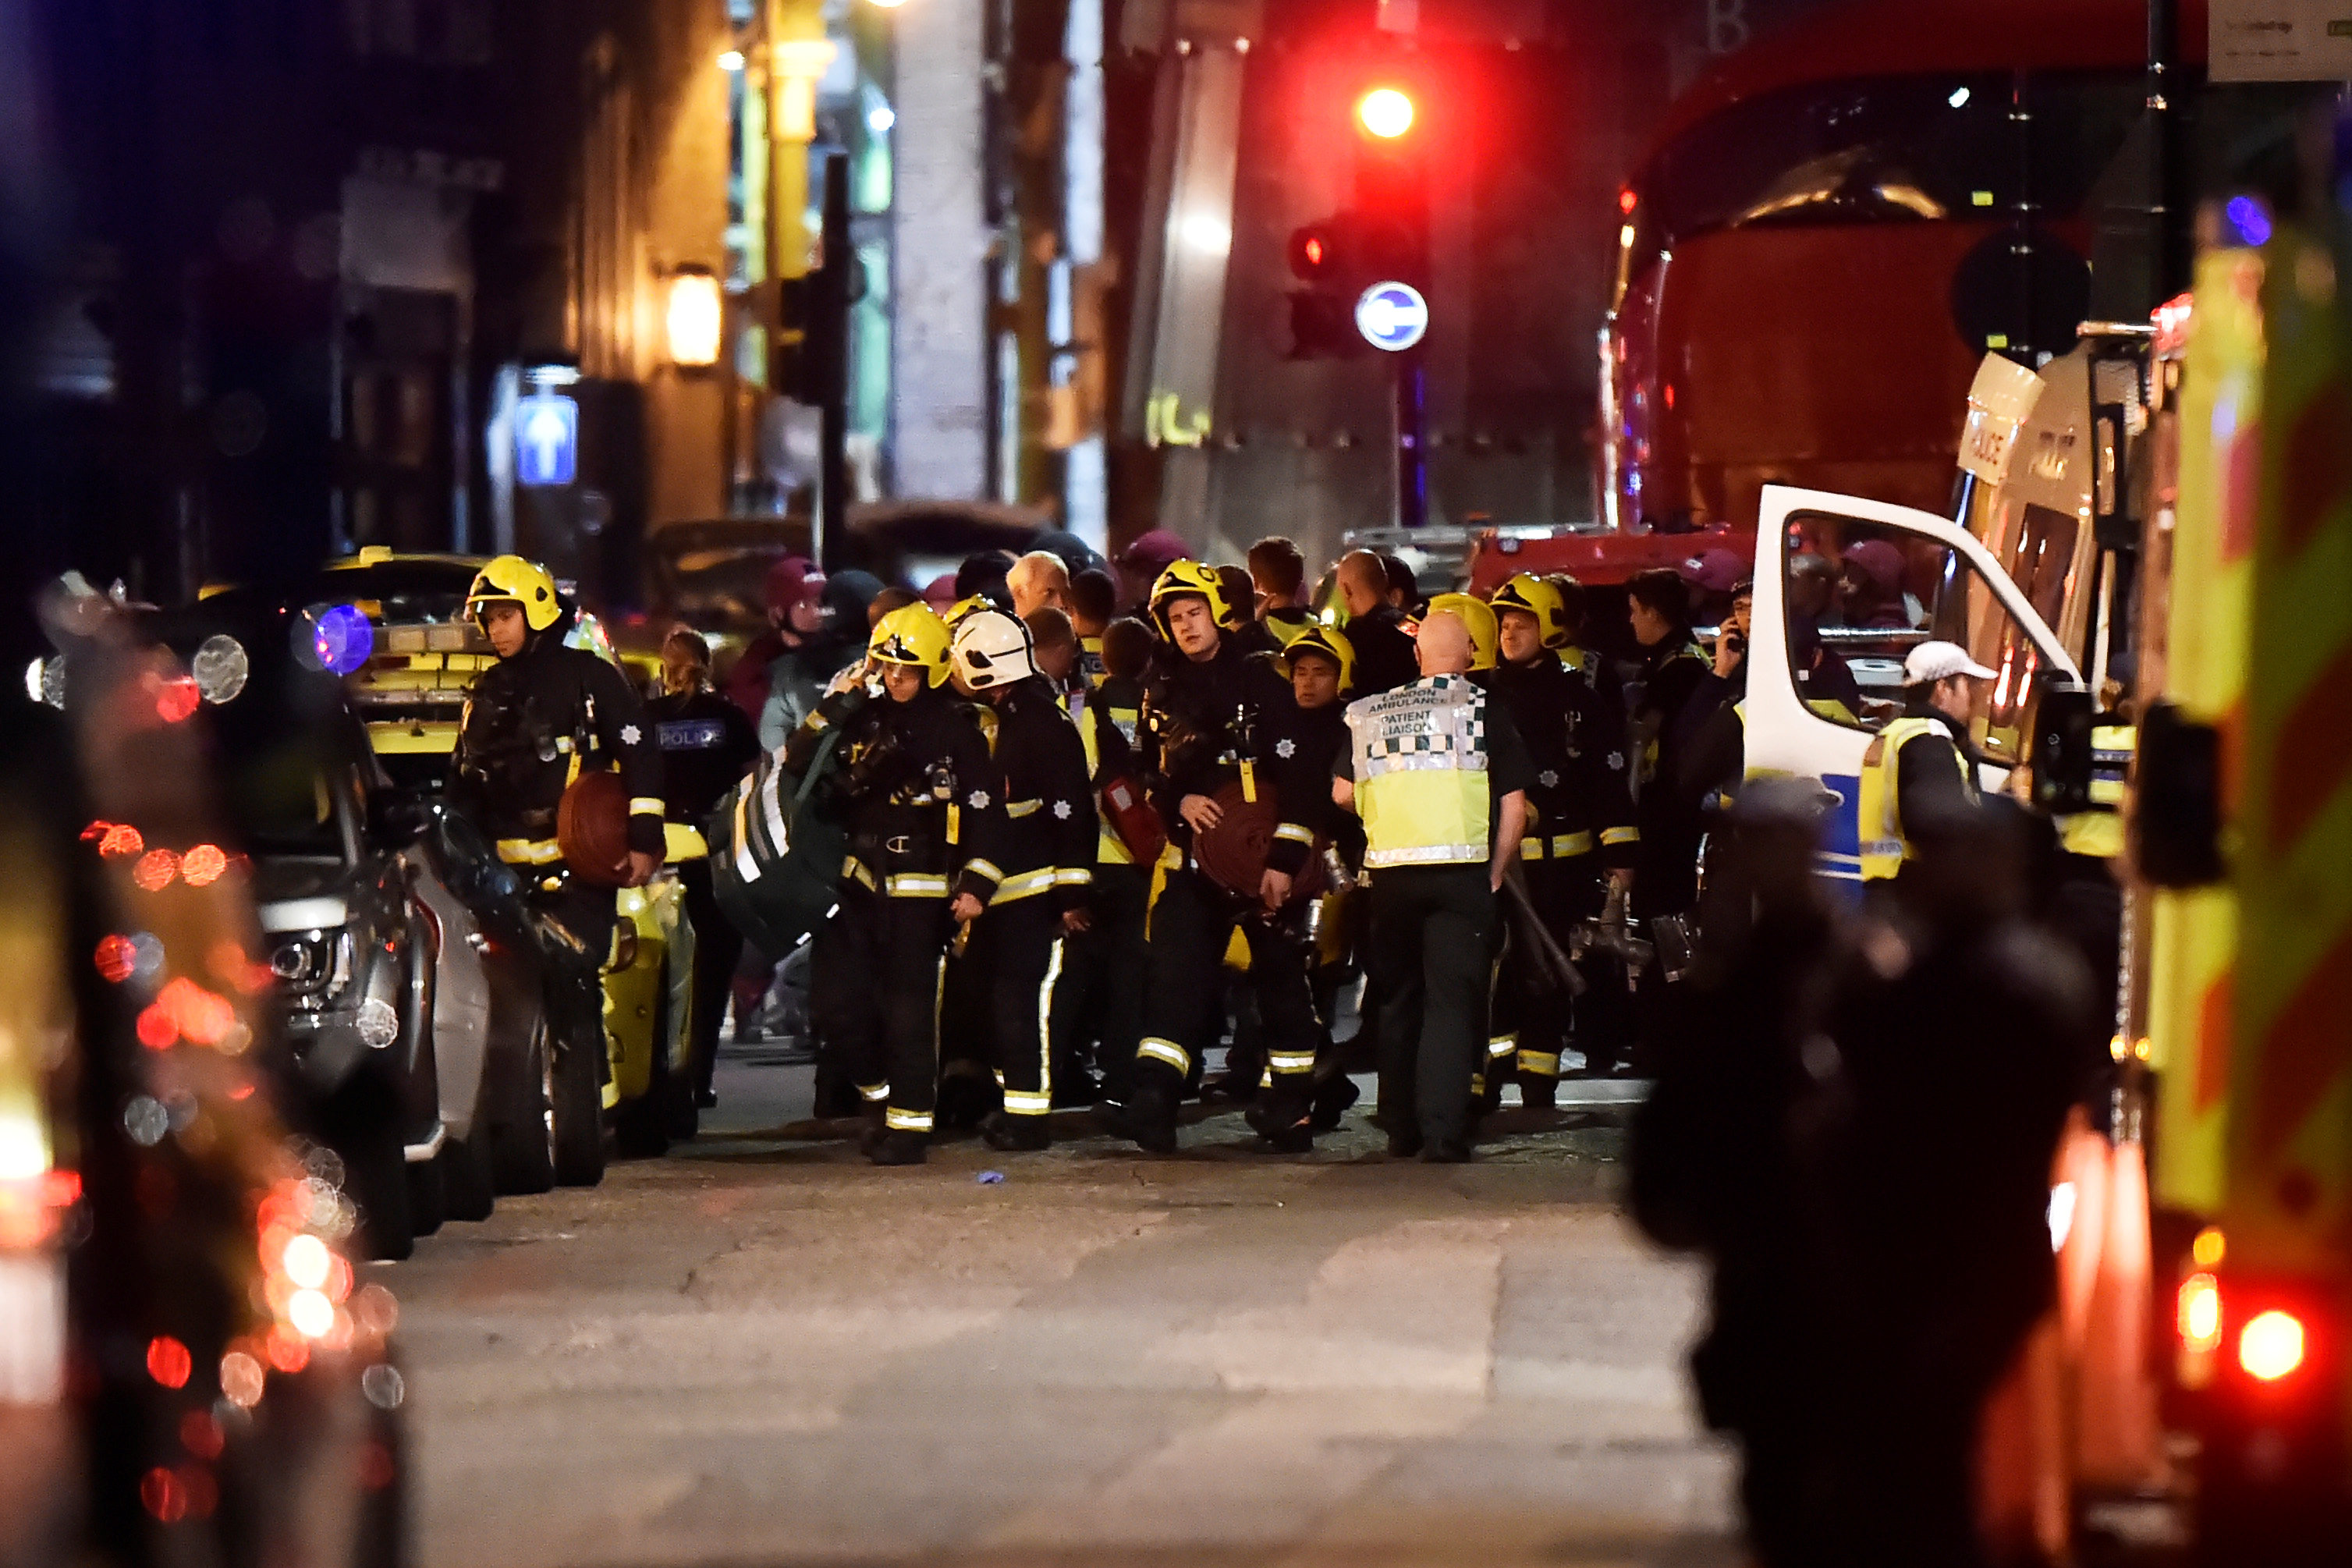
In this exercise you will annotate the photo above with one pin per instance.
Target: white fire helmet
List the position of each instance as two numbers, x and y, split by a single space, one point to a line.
993 648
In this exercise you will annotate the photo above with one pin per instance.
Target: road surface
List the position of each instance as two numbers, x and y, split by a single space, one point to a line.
760 1351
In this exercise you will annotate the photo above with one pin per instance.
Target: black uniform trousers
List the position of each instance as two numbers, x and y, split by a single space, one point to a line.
1432 945
1191 925
1098 1003
875 992
575 981
718 948
1018 951
1531 1016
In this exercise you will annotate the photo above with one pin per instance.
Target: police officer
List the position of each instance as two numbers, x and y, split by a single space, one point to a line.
918 795
537 720
1214 718
706 744
1043 859
1438 774
1581 835
1922 761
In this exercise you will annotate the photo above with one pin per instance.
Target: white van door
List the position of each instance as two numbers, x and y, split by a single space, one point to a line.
1844 589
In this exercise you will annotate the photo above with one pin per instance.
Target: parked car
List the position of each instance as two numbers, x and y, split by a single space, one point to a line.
190 1367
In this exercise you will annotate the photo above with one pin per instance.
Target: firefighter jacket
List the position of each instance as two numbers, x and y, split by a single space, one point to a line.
1220 720
1661 715
914 786
1430 762
1108 716
1916 763
1322 737
533 723
1045 844
1579 802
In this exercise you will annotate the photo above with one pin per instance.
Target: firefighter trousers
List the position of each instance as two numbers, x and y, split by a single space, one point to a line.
1098 1005
1020 949
1189 927
1533 1018
575 976
876 998
1431 944
718 948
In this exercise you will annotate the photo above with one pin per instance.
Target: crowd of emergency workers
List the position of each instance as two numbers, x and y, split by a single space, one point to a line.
1103 818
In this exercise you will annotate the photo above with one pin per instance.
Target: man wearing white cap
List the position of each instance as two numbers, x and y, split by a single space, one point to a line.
1923 760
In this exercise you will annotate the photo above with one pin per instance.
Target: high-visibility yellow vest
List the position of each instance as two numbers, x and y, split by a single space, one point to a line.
1110 850
1883 846
2100 830
1420 757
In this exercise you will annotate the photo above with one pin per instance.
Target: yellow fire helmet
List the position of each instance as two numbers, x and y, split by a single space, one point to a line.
963 609
511 580
1538 598
1189 577
1478 617
1332 643
913 635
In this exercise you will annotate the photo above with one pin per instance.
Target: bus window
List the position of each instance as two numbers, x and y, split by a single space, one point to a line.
1861 595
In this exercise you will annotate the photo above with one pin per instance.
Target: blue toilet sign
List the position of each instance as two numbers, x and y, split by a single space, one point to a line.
1392 316
547 440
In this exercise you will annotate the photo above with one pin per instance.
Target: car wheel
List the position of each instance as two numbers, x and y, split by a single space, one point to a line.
427 1205
522 1157
641 1126
468 1191
375 1174
576 1102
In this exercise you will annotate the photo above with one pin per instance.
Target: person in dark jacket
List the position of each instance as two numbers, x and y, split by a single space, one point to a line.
1664 706
541 717
705 745
918 791
1384 656
1215 719
1098 1008
1043 859
1580 836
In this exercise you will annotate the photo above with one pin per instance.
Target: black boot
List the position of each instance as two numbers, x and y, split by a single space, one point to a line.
900 1148
1537 1092
1148 1120
1282 1124
1015 1134
1333 1096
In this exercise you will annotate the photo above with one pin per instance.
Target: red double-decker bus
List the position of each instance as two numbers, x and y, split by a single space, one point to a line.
1833 226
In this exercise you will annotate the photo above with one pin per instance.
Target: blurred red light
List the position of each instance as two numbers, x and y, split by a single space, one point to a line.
155 869
157 1031
168 1362
177 699
161 1494
117 958
115 838
1627 201
203 865
201 1435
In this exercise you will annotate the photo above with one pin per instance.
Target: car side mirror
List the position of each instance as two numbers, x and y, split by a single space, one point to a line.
2176 822
2063 723
397 818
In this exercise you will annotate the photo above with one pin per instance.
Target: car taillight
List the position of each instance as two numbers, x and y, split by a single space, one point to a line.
2271 1345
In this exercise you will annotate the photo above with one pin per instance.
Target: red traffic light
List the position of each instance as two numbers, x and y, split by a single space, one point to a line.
1385 112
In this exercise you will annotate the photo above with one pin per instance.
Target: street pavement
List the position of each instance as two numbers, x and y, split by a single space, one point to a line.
760 1352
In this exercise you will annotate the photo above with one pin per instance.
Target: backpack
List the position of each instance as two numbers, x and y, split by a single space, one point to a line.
775 860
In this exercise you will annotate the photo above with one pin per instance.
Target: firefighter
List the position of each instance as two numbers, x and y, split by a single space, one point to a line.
1580 836
1321 664
1922 759
535 721
705 745
1214 718
1439 774
918 791
1097 1010
1044 859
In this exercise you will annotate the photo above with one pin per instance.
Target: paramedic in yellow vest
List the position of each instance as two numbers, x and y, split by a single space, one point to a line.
1440 776
1922 759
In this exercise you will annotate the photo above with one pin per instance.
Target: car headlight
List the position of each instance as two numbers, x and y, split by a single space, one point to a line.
311 966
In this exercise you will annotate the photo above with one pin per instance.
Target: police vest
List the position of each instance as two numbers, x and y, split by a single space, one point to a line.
1420 754
1883 846
2100 830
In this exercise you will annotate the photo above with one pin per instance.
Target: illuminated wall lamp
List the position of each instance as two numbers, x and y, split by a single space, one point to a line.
696 318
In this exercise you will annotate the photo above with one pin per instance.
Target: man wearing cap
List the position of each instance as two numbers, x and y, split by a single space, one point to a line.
1142 561
1922 762
794 590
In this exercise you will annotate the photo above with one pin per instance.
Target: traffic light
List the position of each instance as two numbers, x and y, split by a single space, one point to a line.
1380 238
